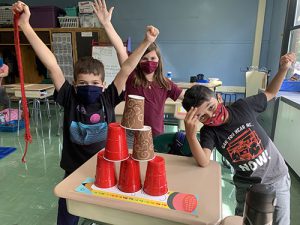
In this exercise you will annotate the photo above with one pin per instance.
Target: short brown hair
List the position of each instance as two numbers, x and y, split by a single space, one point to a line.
88 64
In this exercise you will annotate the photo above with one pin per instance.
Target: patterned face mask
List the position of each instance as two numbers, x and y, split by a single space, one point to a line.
148 66
219 116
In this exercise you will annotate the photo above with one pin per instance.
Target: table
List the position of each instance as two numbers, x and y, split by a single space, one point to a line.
212 84
35 92
183 175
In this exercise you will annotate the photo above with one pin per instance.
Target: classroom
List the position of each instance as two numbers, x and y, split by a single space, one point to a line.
237 140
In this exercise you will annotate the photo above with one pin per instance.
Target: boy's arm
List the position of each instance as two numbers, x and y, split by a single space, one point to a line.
41 50
202 155
129 65
104 17
285 62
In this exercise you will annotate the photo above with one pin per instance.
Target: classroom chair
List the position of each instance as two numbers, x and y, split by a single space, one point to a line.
172 143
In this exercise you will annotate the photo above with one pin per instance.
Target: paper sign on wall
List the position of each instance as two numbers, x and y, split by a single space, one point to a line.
108 56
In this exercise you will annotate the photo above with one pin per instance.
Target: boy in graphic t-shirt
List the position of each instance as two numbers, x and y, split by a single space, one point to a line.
235 132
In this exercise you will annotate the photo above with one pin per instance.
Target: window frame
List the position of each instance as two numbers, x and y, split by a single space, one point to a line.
289 25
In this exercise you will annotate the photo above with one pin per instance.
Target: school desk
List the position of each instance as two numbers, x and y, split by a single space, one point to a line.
32 91
35 93
183 175
212 84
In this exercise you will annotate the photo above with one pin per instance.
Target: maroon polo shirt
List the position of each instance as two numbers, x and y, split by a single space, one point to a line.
155 97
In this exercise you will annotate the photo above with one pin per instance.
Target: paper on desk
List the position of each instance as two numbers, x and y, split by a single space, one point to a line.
184 202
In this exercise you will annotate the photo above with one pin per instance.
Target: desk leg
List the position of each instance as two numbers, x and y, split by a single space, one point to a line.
19 110
48 108
38 111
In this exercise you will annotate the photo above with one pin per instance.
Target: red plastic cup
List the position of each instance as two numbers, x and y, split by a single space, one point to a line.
156 181
116 146
130 176
105 172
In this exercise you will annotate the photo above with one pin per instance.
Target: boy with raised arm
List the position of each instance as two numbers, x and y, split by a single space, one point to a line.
235 132
88 106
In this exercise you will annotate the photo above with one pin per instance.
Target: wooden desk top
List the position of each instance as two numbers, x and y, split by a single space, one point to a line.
183 175
212 84
38 91
30 87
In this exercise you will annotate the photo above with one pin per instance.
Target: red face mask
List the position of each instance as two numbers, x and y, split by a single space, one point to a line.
219 116
148 66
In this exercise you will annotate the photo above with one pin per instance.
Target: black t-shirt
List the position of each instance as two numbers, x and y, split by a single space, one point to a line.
84 124
245 144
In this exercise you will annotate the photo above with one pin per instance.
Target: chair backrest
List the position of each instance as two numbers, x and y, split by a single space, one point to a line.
172 143
255 80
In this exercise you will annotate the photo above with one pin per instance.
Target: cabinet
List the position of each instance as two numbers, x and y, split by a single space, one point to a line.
287 131
77 43
267 119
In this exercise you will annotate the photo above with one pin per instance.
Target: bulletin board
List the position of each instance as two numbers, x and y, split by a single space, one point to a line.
108 56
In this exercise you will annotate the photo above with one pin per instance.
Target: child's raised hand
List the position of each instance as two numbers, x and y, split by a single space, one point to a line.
23 10
100 9
287 60
152 33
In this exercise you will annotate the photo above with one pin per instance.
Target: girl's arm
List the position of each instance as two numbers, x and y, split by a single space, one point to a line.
129 65
104 17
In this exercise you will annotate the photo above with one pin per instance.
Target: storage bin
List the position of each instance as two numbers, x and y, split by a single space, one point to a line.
4 151
68 21
288 85
45 16
11 126
89 20
71 11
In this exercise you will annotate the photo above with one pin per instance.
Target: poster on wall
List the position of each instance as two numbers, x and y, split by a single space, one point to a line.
108 56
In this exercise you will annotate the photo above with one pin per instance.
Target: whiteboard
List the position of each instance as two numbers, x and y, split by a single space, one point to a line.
108 56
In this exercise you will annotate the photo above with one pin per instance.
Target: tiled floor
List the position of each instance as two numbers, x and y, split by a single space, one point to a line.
27 189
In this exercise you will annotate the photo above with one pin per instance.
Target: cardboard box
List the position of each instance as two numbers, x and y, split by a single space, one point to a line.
85 7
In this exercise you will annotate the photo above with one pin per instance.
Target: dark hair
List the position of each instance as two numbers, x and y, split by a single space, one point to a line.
195 96
87 65
159 78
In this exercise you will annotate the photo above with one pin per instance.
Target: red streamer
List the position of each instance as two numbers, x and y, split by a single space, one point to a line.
27 136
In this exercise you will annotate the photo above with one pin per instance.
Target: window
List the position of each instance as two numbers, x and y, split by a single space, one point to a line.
297 17
291 37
